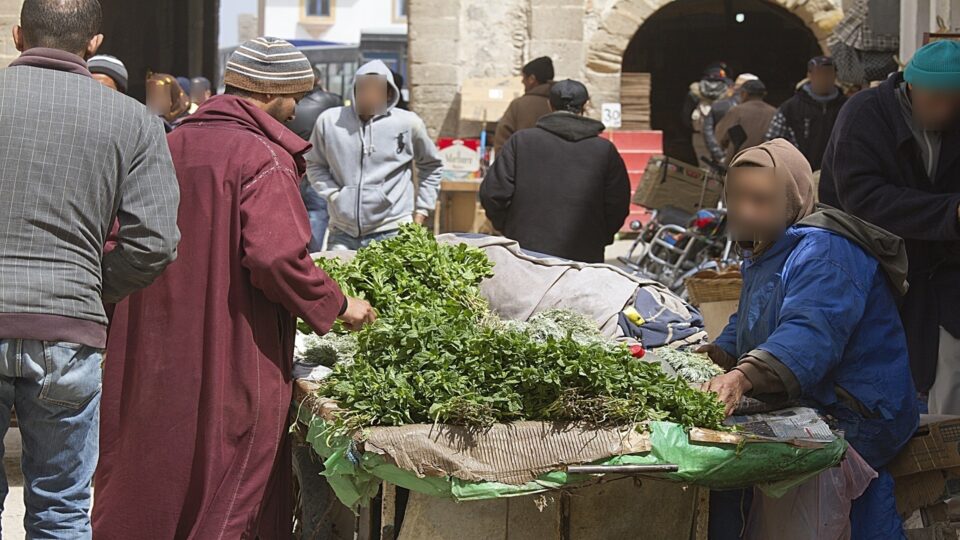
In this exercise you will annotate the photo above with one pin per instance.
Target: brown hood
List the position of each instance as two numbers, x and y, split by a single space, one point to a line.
792 168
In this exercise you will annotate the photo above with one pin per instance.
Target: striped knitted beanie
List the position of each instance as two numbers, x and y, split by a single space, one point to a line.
269 66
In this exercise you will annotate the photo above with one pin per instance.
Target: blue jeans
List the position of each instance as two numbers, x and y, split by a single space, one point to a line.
341 241
317 212
55 388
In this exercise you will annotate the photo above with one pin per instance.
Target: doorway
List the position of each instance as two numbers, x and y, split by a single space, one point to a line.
679 40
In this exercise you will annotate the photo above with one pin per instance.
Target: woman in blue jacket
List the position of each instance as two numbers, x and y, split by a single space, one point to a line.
818 319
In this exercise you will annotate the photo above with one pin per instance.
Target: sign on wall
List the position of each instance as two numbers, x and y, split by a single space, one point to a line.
610 115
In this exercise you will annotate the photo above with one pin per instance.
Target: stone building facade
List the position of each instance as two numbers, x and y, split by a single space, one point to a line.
455 40
9 17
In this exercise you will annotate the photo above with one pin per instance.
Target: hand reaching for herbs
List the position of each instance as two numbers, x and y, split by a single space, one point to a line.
358 314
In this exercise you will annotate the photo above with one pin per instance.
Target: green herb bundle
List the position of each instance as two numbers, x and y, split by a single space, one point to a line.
437 353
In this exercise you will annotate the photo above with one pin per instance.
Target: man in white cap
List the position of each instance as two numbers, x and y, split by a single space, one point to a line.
197 389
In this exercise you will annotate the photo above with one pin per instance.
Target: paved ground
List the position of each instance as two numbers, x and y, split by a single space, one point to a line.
13 510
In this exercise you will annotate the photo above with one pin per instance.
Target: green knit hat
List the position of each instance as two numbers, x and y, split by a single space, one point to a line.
935 66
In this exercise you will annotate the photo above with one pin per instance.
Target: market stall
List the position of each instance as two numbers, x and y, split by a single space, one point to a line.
367 422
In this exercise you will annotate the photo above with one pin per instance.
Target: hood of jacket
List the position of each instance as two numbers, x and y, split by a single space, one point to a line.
572 127
888 248
241 114
542 90
377 67
806 94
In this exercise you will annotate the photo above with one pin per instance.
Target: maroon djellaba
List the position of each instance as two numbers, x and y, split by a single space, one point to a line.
197 383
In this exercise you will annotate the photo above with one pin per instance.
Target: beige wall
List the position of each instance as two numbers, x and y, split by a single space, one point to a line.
453 40
9 17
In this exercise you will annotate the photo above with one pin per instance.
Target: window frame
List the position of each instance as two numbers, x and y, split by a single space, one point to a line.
397 17
317 20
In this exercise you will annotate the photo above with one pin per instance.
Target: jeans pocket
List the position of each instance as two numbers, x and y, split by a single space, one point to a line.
72 375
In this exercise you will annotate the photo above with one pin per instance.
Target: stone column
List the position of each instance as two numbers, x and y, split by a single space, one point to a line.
434 51
9 17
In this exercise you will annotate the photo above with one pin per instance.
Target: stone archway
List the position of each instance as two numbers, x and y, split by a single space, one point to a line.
620 21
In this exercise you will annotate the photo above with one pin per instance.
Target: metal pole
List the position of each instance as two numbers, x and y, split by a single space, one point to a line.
622 469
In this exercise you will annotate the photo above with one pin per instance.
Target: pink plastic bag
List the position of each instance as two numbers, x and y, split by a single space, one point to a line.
817 509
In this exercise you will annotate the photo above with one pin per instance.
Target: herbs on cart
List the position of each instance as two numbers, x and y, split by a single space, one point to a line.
438 354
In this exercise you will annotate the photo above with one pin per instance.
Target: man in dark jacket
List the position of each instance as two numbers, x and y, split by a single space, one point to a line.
807 118
558 188
304 120
526 110
894 160
745 125
77 158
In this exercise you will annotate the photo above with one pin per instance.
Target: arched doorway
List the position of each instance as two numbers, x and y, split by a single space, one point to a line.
675 39
680 39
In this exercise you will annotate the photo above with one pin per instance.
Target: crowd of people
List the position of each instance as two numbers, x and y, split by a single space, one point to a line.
848 306
156 257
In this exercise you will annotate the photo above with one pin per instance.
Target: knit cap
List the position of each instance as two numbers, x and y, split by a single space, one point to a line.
110 66
935 66
268 65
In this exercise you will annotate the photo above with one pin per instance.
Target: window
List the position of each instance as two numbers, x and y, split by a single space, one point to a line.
400 10
316 11
318 8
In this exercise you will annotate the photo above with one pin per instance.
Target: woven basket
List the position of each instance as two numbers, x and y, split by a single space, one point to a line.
714 288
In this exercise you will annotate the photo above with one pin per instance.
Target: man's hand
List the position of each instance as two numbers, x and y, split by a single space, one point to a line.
419 219
729 388
358 313
719 356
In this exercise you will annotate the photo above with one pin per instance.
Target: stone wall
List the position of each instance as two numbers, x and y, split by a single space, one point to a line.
9 17
452 40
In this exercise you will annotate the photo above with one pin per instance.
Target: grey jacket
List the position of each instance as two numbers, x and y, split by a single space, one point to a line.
74 157
365 170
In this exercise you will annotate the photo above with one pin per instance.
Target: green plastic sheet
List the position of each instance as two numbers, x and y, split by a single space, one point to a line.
774 467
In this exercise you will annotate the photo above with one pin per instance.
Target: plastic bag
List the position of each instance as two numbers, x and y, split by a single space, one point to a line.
817 509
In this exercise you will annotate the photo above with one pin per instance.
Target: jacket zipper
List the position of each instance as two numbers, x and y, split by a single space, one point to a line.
926 139
363 153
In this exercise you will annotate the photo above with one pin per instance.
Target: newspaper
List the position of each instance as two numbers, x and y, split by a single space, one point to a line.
795 425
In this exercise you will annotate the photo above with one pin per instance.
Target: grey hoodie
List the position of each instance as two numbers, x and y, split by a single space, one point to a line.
365 170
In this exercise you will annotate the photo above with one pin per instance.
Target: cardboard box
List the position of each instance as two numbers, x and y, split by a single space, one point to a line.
935 446
670 182
485 99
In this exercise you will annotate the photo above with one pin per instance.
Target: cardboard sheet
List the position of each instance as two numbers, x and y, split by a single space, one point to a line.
508 453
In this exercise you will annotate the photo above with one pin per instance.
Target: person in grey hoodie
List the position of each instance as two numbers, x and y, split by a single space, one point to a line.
362 163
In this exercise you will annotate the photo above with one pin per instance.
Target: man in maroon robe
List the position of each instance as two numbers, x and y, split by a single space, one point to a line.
197 382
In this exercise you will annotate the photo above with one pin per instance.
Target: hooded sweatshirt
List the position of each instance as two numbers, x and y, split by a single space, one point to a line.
558 188
818 319
365 169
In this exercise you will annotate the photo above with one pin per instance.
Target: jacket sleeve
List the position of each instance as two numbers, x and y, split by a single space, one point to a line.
864 189
275 232
727 340
616 197
822 306
779 129
429 167
147 236
722 133
496 190
709 135
505 128
318 169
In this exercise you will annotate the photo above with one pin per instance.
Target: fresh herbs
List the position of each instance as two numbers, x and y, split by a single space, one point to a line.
691 366
437 353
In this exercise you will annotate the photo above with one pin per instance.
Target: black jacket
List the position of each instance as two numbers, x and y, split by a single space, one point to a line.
558 188
811 122
309 109
873 168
